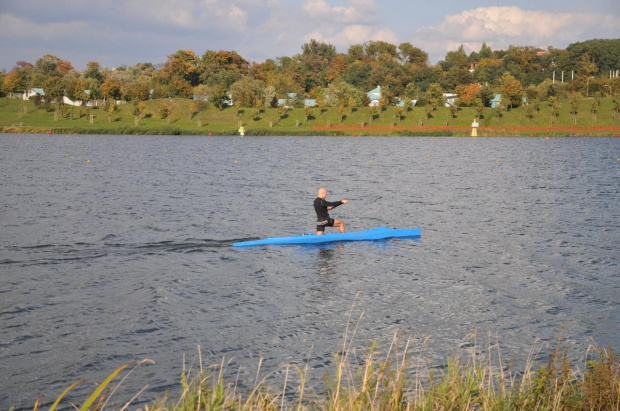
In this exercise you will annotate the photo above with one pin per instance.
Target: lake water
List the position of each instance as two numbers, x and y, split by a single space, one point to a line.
129 256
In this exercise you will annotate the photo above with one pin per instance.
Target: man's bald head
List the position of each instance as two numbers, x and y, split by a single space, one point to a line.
322 193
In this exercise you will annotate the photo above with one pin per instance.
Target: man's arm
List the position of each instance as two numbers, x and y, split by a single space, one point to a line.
334 204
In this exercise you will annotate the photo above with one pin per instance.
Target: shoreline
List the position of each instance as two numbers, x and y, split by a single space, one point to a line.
18 116
324 132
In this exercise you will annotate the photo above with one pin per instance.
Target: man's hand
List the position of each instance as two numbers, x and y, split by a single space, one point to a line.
345 201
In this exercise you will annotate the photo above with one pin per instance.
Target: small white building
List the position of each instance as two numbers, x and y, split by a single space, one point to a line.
450 99
33 92
374 96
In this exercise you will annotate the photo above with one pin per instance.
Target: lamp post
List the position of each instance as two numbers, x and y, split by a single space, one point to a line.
587 85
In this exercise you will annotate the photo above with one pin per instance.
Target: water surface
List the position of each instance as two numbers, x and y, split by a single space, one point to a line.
129 256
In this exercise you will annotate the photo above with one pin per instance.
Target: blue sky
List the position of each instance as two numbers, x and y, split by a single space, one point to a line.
118 32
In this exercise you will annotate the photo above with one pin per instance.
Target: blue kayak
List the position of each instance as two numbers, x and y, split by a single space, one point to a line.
366 235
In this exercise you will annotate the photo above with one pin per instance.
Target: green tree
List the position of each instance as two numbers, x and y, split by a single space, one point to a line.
222 68
218 96
408 104
512 90
434 95
574 108
457 59
400 111
411 91
529 111
412 55
53 88
453 110
281 112
111 109
47 66
555 109
498 110
139 108
605 54
479 108
318 48
485 94
428 110
616 107
594 108
380 50
485 52
308 113
93 72
270 95
193 109
374 113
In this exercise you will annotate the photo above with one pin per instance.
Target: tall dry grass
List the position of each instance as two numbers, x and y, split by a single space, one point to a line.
476 378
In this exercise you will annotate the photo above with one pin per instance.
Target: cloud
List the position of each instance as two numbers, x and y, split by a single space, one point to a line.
12 26
191 14
359 11
341 26
501 27
353 34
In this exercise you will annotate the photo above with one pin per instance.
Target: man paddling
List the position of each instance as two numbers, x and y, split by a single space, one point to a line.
322 216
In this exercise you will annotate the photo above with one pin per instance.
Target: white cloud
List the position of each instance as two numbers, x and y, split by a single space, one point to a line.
356 22
353 34
501 27
359 11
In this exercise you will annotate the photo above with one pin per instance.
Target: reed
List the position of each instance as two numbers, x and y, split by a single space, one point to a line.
394 379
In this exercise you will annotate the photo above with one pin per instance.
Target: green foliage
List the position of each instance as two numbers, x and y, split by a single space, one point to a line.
225 122
434 95
604 53
403 71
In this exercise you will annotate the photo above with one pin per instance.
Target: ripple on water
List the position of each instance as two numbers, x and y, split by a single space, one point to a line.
132 259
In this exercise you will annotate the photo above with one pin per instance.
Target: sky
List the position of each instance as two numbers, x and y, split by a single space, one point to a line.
127 32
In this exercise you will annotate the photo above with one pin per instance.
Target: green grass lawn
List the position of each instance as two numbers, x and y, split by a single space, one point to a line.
16 113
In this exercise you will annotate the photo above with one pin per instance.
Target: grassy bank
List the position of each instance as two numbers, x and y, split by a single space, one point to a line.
184 118
389 378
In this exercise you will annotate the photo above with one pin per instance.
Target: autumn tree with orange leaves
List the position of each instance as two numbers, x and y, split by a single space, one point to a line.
467 94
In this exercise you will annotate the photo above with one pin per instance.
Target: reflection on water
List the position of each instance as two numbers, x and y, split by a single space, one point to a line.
129 256
324 259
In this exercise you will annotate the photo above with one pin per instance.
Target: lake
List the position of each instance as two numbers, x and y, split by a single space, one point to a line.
119 248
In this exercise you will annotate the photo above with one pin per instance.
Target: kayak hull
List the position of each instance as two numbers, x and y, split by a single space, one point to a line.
378 233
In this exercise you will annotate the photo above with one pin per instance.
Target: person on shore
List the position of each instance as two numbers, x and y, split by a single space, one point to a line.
322 215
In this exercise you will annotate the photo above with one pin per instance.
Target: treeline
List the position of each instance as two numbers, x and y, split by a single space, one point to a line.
588 68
